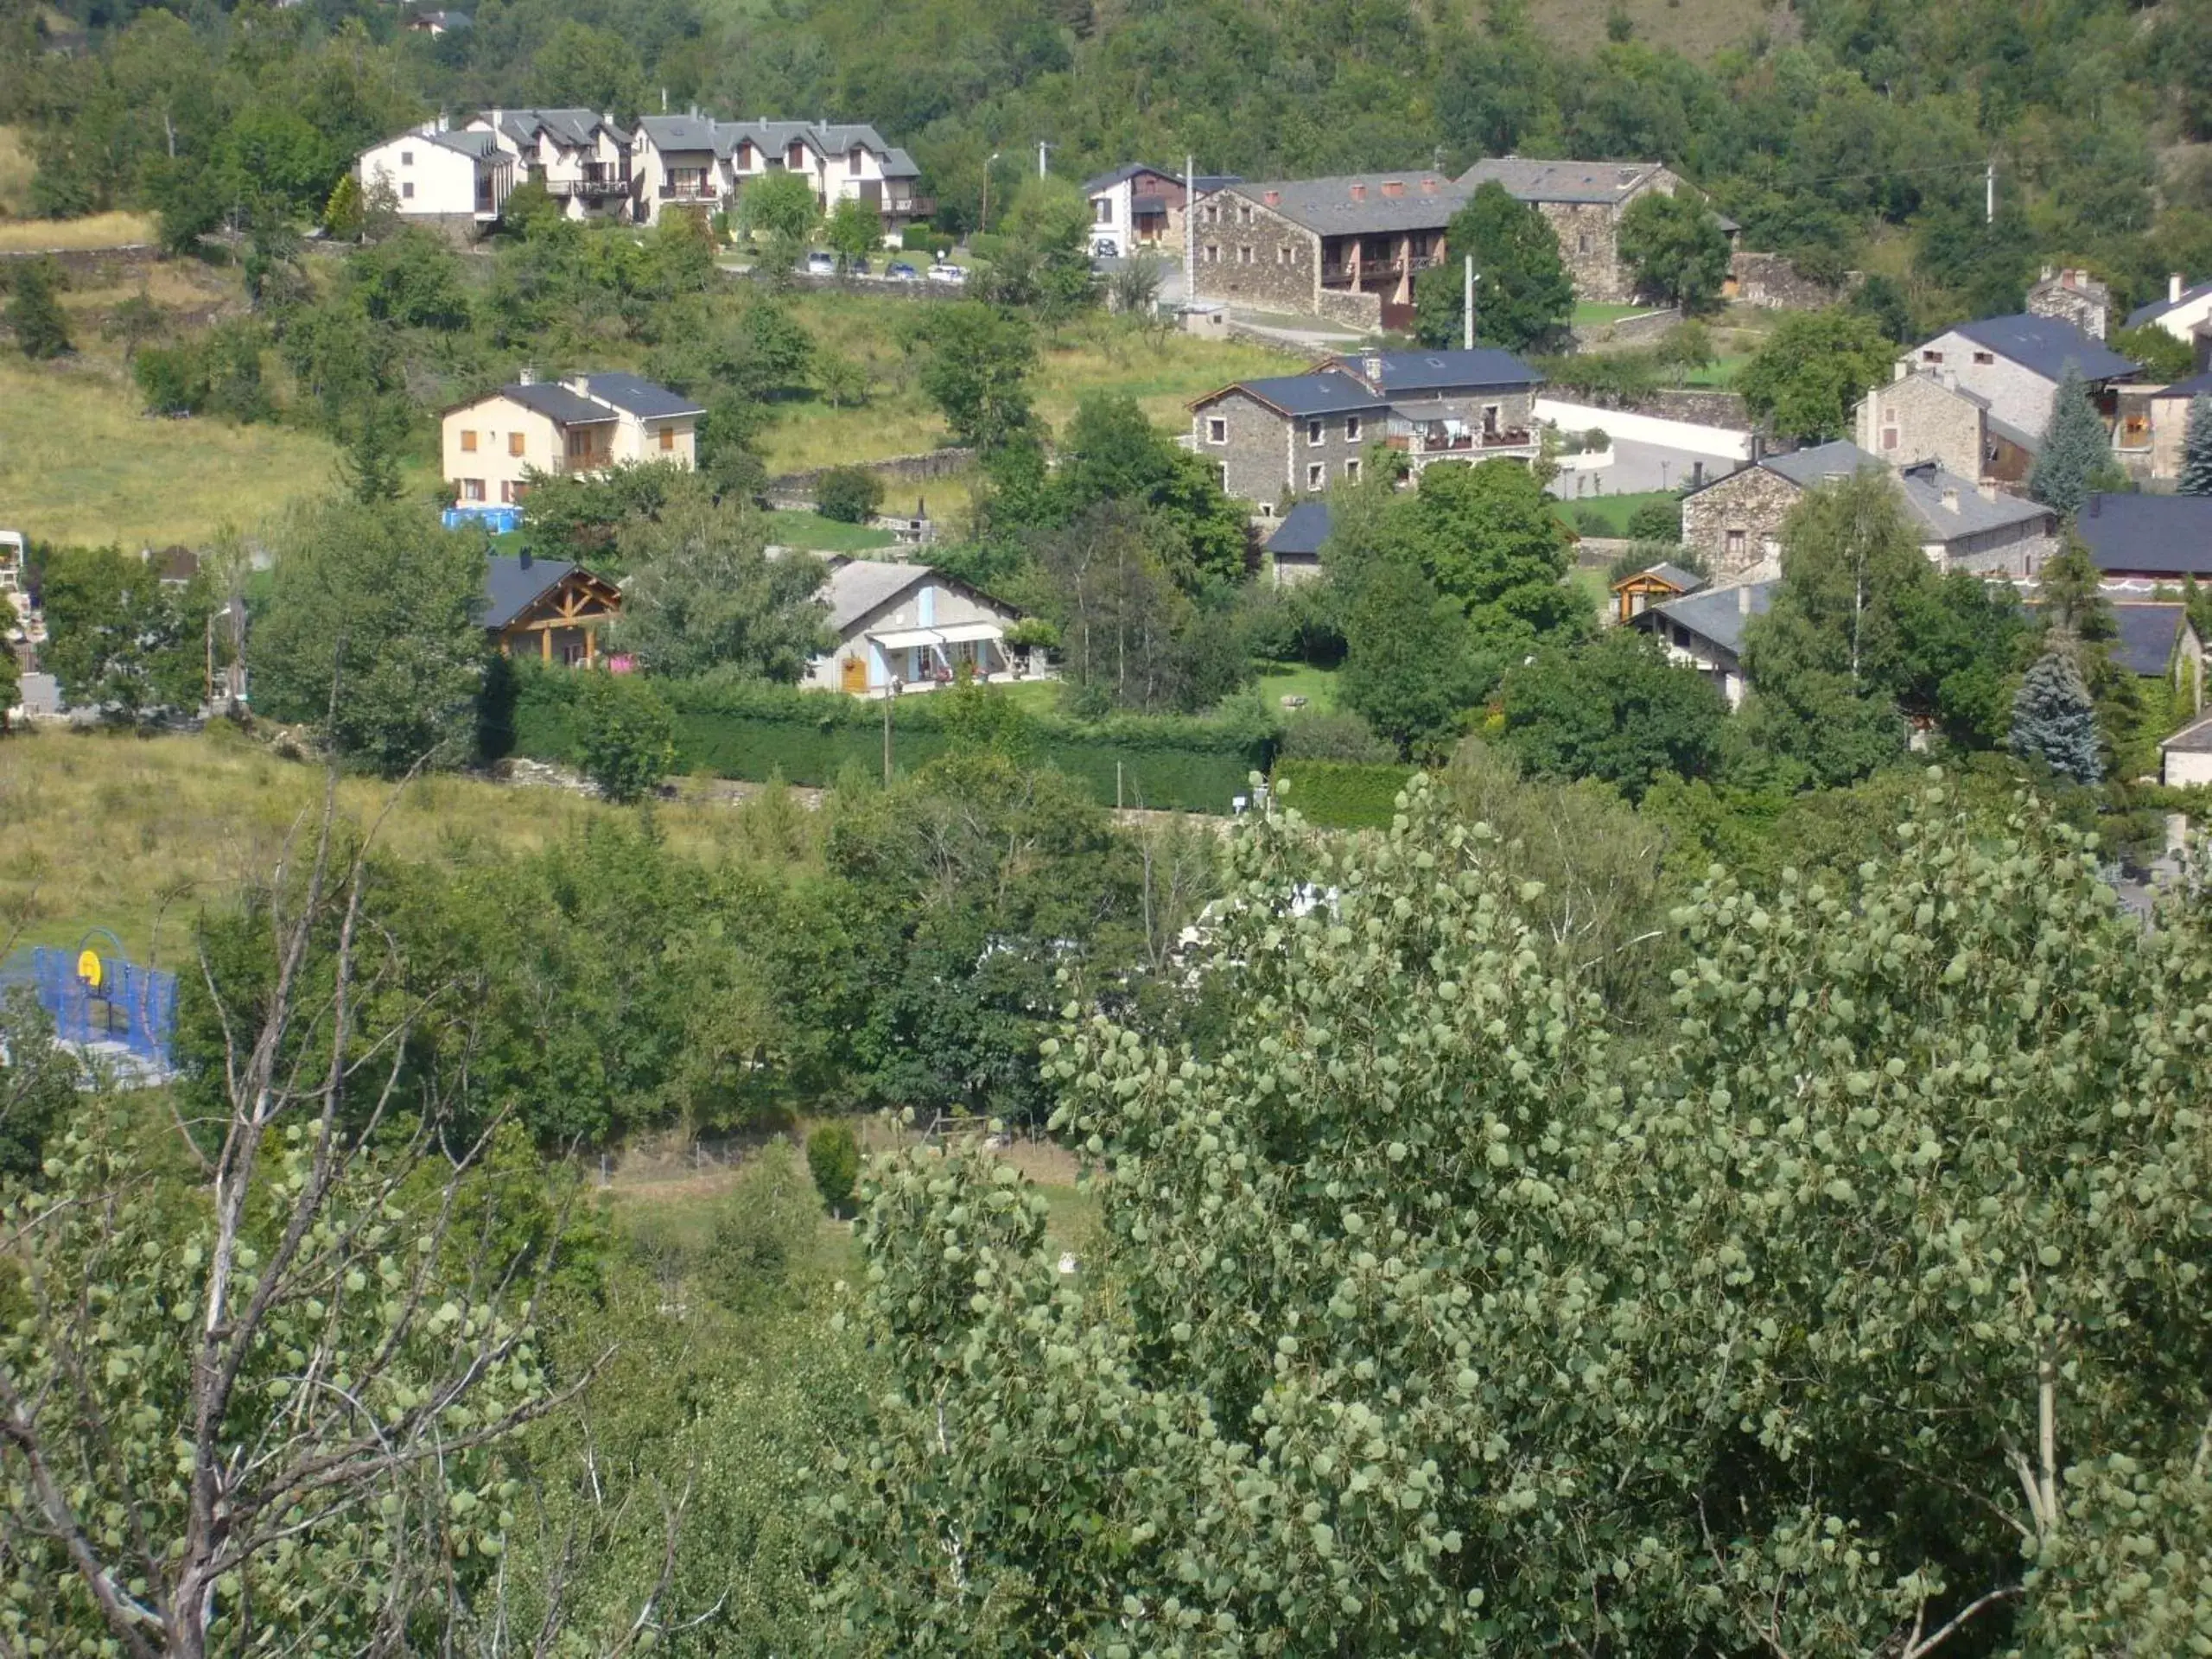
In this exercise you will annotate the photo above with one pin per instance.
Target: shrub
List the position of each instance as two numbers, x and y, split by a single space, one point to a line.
1331 737
849 495
764 1231
625 735
919 238
34 311
1656 521
1342 795
834 1156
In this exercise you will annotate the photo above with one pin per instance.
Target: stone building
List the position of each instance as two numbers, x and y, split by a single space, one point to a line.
1292 436
2015 364
1347 249
1929 417
1963 522
1583 202
2074 297
2168 423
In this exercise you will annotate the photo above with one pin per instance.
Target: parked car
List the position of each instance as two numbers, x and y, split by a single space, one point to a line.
947 273
1105 247
821 264
901 272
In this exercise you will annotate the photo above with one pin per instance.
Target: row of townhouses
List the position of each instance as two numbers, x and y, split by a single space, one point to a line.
459 178
1349 248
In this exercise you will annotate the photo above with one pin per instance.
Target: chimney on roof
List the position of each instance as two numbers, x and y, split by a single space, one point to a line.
2046 274
527 377
1359 192
522 558
1744 598
1273 198
2096 505
2173 287
1394 186
1950 498
1370 369
1428 186
1986 488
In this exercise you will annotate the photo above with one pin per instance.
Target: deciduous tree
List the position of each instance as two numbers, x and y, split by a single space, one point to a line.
976 361
1522 294
1676 248
703 594
1615 709
1813 370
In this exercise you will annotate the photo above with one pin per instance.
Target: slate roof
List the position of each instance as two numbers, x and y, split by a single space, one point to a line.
898 164
1924 486
1682 581
2197 385
1303 529
1203 181
1327 206
2146 637
1585 181
2152 535
2046 346
1717 616
636 396
859 585
478 146
573 127
513 585
1810 468
2192 739
1306 394
558 403
2160 307
678 132
1440 371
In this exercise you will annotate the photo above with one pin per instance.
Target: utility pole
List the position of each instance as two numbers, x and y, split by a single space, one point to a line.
1468 306
1041 148
887 737
1190 228
1989 194
984 228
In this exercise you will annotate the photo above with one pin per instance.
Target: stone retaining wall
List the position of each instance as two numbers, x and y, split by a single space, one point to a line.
1362 311
1679 403
1770 280
937 463
1642 329
92 267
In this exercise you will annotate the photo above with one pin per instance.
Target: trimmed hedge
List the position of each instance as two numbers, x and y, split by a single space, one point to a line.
1341 794
760 732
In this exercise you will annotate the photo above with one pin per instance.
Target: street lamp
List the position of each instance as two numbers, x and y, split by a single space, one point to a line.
984 228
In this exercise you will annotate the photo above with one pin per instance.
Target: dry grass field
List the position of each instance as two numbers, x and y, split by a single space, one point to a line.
1696 28
137 834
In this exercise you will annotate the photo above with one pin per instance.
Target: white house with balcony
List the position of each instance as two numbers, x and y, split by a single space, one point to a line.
455 182
582 158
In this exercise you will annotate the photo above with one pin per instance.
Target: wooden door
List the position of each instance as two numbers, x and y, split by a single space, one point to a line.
854 674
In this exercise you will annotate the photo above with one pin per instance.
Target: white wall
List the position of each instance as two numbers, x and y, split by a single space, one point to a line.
443 181
1647 429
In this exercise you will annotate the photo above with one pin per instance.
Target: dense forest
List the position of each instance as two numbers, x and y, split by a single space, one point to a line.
1848 133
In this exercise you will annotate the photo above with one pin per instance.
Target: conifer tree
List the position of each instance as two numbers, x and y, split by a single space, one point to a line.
2076 450
2054 719
2196 449
35 311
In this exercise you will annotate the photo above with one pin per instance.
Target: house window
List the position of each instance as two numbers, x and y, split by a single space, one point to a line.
1315 432
407 158
472 489
1317 475
579 445
1984 358
468 443
507 491
667 439
1490 420
1244 255
514 443
1888 437
1352 428
1735 543
1217 428
1282 253
1244 213
1931 357
1213 254
1351 471
1101 211
407 190
1582 243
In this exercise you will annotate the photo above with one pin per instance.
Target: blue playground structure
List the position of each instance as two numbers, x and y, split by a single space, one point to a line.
97 998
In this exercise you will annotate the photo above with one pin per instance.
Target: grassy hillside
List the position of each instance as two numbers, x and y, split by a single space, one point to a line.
137 834
80 462
1696 28
1162 373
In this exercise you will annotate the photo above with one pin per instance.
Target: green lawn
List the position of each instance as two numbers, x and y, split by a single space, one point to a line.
811 530
1589 311
1613 510
1317 685
1719 374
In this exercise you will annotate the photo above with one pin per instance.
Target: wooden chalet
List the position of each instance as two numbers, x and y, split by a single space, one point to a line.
1635 594
548 608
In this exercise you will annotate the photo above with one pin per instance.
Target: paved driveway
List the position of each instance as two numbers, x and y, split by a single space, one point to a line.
1637 467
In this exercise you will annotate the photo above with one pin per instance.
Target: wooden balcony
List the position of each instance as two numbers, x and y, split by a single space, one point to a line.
589 190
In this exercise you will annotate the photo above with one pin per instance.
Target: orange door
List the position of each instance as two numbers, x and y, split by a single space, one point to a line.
855 675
